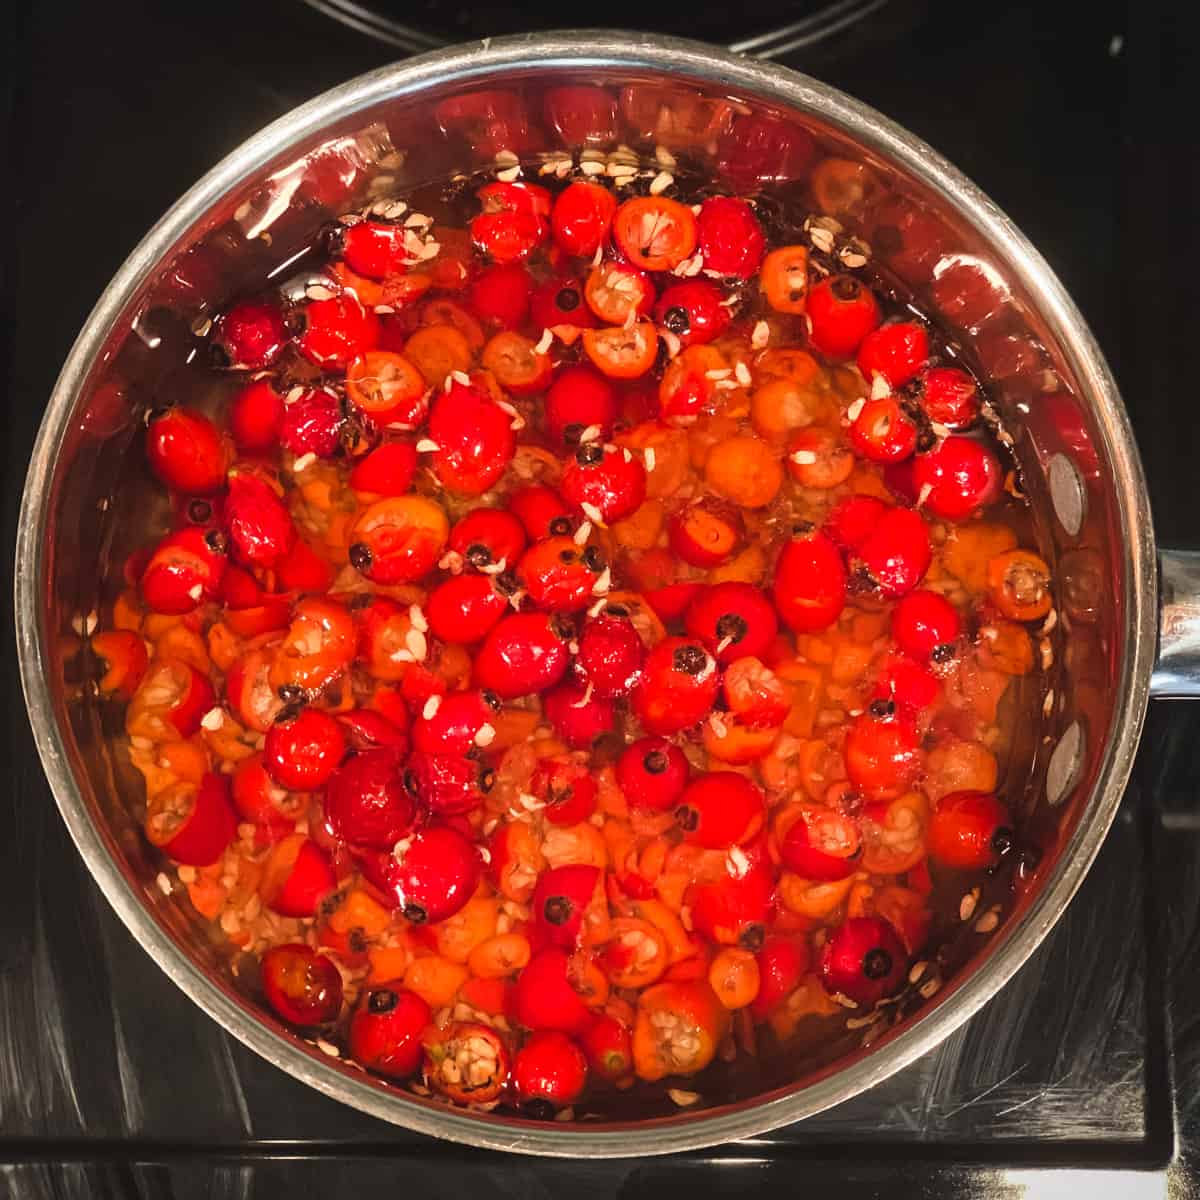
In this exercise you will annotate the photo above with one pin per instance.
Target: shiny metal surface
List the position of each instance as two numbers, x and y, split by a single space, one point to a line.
1024 331
1177 671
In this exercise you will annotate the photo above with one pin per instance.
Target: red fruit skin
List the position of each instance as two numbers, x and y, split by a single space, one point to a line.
435 876
374 249
186 452
582 115
840 324
610 656
581 218
897 352
732 911
542 511
614 484
549 1066
782 963
949 397
761 149
251 335
907 683
453 728
670 603
194 701
387 470
260 527
367 729
609 1047
486 536
567 790
579 719
310 880
733 620
521 655
705 317
882 432
800 854
337 331
810 583
545 999
508 237
730 237
882 754
501 294
558 576
311 424
692 550
450 785
301 754
719 810
302 986
366 802
302 569
647 789
560 301
924 620
183 572
897 554
210 827
385 1031
957 479
474 437
578 398
962 830
852 520
668 698
252 793
464 608
559 901
754 694
864 959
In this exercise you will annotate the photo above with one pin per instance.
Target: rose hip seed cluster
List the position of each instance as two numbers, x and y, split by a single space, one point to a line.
580 641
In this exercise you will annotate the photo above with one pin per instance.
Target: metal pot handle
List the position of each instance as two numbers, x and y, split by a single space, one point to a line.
1176 672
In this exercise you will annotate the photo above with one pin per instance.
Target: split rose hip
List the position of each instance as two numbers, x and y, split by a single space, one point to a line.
186 452
558 575
810 582
610 656
897 553
580 399
388 388
184 571
170 701
466 1061
192 823
398 540
614 290
456 723
730 237
302 986
693 311
312 424
842 312
259 525
464 608
782 963
654 233
578 715
250 336
559 901
488 537
679 683
449 785
523 654
883 432
969 831
366 802
652 774
549 1070
926 625
864 960
545 997
386 1030
474 440
754 694
431 875
720 809
733 620
260 800
566 788
956 479
302 752
897 352
949 396
821 845
603 484
678 1029
297 876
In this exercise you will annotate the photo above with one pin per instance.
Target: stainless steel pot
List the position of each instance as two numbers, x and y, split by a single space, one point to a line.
86 500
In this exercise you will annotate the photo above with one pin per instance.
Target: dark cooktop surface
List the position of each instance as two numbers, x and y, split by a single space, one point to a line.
113 1084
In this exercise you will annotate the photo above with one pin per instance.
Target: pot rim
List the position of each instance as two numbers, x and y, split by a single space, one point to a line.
573 52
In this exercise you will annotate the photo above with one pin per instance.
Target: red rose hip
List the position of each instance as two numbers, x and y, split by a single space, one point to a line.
302 986
864 960
385 1031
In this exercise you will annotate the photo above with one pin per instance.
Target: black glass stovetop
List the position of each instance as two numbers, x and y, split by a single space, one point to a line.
1081 1074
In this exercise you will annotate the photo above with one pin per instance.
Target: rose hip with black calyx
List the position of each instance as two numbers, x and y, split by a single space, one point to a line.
969 831
559 304
578 715
733 620
863 960
652 774
883 432
463 609
302 986
541 510
908 684
897 554
337 331
524 653
398 539
602 483
566 788
449 785
385 1032
692 311
897 352
580 399
312 424
678 686
610 655
431 874
457 723
720 809
730 237
810 582
956 479
474 438
301 752
487 537
842 311
366 803
550 1071
186 452
249 336
924 623
949 397
559 901
184 571
558 575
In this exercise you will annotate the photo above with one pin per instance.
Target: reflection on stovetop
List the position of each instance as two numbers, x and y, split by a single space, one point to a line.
1087 1060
